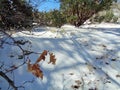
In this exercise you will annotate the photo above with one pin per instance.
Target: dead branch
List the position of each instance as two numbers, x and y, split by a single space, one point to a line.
25 52
12 39
15 67
8 80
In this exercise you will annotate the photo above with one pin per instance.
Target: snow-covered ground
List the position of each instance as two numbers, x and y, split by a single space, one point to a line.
88 58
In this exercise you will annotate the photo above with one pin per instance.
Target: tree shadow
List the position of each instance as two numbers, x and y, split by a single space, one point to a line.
71 55
108 40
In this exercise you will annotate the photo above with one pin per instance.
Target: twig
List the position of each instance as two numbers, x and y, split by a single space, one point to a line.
83 83
8 80
17 44
12 39
14 68
29 81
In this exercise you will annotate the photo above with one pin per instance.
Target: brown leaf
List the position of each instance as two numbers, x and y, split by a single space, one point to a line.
52 58
42 56
35 70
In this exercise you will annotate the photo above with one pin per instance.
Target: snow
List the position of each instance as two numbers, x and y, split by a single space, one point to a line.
88 58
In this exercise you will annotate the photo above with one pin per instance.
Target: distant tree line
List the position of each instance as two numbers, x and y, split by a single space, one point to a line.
76 12
20 13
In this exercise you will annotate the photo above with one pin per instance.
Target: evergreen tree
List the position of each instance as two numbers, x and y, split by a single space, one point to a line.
15 13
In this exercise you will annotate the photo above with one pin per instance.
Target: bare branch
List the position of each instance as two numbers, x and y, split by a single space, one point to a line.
8 80
12 39
15 67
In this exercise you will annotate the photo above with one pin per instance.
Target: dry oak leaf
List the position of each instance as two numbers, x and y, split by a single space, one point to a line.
35 70
42 56
52 58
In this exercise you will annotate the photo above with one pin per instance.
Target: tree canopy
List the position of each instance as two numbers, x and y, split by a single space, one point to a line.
20 13
15 13
78 11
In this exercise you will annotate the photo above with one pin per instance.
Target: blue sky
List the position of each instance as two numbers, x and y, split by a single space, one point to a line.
48 5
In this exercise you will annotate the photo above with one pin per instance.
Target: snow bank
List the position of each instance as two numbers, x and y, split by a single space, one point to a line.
88 58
